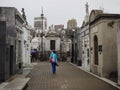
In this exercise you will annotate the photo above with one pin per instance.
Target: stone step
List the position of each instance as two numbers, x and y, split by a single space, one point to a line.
3 85
16 84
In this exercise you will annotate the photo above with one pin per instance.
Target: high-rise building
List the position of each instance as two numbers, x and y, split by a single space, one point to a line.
40 23
71 24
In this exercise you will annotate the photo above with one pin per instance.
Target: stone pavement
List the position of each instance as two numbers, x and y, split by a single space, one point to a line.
68 77
17 81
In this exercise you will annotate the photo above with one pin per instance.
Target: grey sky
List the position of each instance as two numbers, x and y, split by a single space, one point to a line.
60 11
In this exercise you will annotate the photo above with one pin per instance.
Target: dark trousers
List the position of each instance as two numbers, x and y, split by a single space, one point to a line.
53 67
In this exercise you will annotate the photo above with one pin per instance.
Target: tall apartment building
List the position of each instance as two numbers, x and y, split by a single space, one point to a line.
40 23
71 24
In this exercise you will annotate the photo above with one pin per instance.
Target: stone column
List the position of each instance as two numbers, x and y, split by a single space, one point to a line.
118 43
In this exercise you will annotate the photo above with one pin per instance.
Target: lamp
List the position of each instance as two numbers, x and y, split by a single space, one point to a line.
42 35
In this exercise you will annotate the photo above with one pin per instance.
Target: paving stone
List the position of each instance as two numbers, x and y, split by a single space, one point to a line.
67 77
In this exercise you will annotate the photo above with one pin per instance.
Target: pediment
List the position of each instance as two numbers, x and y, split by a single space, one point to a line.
94 14
52 33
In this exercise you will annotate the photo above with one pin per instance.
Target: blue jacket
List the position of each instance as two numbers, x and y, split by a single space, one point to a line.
53 55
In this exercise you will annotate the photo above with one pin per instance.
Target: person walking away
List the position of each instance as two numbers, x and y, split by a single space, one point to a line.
53 57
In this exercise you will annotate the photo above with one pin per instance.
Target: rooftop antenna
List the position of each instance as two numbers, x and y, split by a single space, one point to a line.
42 15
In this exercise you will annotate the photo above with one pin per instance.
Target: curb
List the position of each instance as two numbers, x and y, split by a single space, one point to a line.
101 78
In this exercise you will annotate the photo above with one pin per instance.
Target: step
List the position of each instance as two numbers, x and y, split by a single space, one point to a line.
3 85
17 84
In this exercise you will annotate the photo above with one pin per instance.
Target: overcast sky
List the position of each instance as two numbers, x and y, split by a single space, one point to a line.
60 11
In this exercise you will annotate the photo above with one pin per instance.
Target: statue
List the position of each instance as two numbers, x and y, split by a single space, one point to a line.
23 14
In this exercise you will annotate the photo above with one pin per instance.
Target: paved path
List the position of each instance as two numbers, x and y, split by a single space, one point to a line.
68 77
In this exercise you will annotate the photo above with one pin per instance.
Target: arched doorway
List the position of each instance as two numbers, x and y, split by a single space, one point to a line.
95 50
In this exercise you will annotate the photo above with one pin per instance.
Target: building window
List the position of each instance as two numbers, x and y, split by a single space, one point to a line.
52 44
